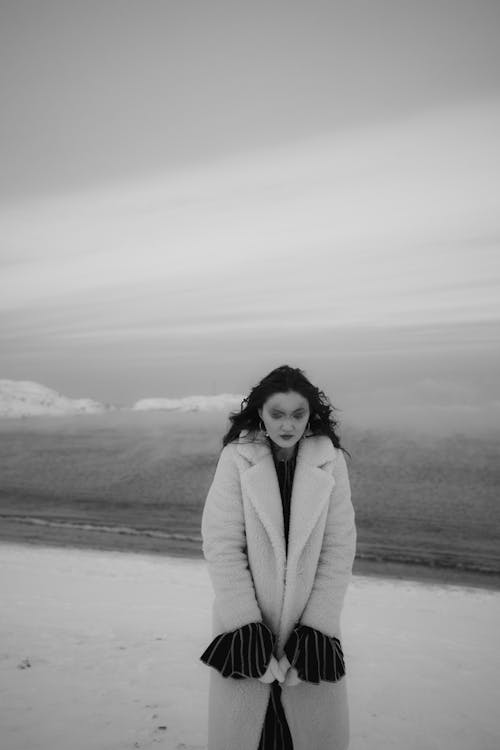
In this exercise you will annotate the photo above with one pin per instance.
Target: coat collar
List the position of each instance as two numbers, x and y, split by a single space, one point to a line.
311 490
313 449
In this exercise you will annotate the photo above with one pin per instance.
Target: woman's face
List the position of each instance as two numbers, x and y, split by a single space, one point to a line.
285 414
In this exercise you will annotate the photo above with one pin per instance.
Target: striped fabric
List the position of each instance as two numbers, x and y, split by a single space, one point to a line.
247 651
315 655
275 732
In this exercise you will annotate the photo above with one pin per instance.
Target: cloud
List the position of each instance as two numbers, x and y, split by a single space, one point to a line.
388 224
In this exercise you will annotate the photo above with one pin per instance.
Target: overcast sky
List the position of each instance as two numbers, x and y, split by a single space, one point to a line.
193 193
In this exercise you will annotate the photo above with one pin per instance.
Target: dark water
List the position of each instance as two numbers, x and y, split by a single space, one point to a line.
138 481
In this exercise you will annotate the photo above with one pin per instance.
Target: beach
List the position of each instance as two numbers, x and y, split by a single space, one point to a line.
100 649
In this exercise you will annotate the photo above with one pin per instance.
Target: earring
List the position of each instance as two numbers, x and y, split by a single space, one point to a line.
263 428
308 427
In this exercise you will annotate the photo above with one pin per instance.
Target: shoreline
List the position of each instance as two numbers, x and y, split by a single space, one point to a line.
25 534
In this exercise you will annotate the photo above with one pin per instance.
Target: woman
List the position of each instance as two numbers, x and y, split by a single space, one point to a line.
279 538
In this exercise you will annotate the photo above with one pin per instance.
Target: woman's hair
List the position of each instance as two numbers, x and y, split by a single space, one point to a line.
282 380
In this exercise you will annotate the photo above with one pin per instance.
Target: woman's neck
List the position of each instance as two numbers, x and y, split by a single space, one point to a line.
283 454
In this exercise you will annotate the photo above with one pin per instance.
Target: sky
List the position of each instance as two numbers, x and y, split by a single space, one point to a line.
194 193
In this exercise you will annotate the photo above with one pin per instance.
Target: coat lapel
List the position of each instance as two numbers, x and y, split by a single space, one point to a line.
311 490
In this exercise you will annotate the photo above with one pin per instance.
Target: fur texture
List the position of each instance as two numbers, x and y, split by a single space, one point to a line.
253 580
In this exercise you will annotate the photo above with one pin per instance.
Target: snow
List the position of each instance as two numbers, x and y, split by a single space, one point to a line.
25 398
100 650
222 401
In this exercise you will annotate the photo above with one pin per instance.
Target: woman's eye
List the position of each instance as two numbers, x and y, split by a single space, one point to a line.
278 416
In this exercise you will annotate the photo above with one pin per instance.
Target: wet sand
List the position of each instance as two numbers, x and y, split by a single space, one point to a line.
11 531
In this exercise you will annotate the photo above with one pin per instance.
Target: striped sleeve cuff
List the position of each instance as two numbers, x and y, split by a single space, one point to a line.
314 655
245 652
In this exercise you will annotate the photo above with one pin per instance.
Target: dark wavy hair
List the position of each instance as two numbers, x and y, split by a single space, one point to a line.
282 380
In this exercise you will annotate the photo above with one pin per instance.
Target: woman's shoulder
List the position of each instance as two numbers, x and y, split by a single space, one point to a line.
227 452
328 456
249 446
232 452
335 451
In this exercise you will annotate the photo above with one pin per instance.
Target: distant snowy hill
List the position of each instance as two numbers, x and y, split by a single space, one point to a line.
221 402
24 398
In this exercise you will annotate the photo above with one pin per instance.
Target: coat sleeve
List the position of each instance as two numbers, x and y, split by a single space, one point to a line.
224 546
244 652
324 606
314 655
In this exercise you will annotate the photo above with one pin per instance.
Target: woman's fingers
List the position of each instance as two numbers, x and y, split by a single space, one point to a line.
292 677
268 675
281 671
284 664
276 669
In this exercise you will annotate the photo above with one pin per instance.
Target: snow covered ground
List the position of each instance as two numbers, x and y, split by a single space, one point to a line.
100 651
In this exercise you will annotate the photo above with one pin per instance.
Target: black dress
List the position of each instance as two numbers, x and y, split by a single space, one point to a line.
246 651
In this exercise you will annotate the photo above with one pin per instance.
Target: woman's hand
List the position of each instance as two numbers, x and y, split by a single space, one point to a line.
292 678
281 671
273 672
291 675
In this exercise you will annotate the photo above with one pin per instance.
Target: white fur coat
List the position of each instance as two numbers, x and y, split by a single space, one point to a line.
253 579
